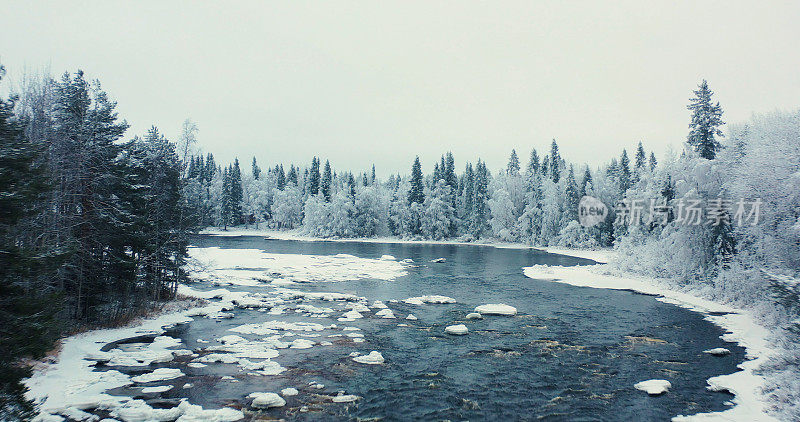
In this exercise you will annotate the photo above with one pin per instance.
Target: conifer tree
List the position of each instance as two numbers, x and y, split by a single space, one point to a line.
480 214
280 177
624 172
653 162
586 182
571 196
256 169
372 176
291 177
555 162
327 181
706 120
416 193
513 164
314 177
533 164
237 193
641 157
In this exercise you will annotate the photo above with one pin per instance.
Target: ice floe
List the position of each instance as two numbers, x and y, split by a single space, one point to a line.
373 358
290 391
496 309
474 315
719 351
653 387
385 313
159 374
266 400
457 330
411 317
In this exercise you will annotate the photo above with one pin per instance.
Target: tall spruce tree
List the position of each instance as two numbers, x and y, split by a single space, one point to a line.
706 121
313 177
555 162
513 164
327 182
256 170
624 172
416 193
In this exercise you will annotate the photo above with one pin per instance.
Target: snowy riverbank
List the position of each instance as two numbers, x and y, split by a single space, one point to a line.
749 403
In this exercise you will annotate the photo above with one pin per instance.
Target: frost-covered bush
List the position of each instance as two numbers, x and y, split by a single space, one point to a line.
576 236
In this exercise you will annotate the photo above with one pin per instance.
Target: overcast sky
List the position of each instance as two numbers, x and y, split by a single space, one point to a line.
364 82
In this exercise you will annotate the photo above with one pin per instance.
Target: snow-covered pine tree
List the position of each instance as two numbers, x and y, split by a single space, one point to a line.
313 177
326 184
706 122
586 182
571 198
513 164
653 161
555 162
480 214
280 177
416 193
624 173
256 170
641 157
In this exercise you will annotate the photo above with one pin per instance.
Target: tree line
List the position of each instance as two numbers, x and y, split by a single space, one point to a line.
93 227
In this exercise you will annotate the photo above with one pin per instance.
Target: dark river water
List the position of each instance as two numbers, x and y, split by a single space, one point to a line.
571 353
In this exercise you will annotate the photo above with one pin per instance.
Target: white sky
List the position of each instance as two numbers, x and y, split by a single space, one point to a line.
364 82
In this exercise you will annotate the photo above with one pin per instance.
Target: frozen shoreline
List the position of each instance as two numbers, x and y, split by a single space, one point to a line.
600 256
749 403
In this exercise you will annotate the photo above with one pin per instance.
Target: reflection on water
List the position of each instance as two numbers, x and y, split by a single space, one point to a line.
570 354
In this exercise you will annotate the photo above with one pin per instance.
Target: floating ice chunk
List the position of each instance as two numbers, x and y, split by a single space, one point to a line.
187 385
291 391
719 351
373 358
653 387
266 400
231 339
160 374
156 389
359 307
438 260
345 398
378 305
411 317
496 309
407 261
419 300
301 343
387 258
350 315
325 343
385 313
474 315
354 354
457 330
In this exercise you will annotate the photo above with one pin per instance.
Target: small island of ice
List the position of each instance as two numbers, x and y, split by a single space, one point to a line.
456 330
654 387
496 309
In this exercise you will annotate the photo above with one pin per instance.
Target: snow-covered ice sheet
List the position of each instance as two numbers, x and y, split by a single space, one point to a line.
250 267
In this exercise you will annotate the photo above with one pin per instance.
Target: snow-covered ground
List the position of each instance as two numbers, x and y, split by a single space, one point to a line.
746 384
